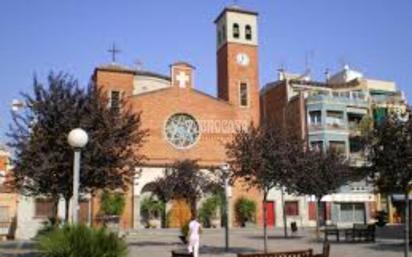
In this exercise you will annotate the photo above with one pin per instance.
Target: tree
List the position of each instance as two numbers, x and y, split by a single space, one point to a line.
43 158
262 157
319 173
185 179
390 156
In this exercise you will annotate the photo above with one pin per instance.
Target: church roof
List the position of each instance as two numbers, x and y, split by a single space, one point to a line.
235 8
121 68
196 91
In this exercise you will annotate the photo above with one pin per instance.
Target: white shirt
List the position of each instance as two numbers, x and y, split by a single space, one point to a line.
194 230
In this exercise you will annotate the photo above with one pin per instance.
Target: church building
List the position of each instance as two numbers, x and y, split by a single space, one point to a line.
183 122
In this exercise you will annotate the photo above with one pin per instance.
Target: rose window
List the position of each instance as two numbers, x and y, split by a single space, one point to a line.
182 130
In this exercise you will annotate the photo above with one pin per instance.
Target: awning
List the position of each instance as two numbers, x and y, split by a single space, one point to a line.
400 197
347 197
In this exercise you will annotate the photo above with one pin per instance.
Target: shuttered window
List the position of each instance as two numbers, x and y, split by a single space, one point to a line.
43 208
292 208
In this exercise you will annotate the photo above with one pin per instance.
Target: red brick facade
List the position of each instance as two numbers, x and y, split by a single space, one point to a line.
218 117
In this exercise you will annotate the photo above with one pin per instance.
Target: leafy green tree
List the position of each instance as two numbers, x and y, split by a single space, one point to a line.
245 210
112 203
185 179
319 173
262 157
390 156
43 159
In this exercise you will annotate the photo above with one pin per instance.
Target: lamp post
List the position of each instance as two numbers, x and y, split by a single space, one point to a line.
225 170
77 139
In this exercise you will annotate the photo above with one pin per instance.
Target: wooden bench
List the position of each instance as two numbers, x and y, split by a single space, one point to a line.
331 230
361 232
181 254
303 253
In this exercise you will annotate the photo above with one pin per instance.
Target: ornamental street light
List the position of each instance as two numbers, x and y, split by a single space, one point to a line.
17 105
225 170
77 139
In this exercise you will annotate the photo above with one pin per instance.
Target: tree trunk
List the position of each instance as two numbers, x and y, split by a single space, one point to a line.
406 224
265 232
193 209
55 211
285 224
163 218
66 211
317 217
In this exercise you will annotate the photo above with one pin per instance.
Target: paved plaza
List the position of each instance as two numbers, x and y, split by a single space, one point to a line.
158 243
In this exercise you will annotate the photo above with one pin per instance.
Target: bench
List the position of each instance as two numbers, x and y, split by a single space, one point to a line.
331 230
181 254
361 232
303 253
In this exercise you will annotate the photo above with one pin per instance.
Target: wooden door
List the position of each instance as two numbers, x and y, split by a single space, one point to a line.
270 213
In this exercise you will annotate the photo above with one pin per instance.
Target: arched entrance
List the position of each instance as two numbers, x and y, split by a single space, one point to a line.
179 213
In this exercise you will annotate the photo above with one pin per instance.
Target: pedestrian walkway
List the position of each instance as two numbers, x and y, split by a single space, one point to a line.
159 243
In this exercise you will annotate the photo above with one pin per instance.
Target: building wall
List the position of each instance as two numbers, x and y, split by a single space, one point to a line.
8 197
28 223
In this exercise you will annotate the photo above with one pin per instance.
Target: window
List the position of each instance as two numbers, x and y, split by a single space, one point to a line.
248 32
352 212
355 145
236 31
334 118
243 94
115 100
317 146
4 214
337 146
43 208
292 208
315 117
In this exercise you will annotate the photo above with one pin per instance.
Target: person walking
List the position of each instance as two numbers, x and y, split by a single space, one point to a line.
194 237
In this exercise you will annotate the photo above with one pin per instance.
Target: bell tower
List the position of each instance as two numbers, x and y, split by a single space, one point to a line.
237 59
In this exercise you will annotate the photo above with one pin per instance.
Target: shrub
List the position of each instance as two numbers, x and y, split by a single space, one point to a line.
81 241
209 209
112 203
48 226
152 208
245 210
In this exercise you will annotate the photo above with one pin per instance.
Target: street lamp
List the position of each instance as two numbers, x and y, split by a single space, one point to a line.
225 170
77 139
16 105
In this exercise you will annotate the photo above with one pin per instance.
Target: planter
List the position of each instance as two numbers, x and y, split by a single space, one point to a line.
215 223
154 223
111 222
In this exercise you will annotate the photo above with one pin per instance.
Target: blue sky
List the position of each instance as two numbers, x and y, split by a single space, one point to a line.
373 36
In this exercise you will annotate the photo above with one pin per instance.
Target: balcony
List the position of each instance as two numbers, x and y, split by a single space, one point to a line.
349 98
328 126
357 159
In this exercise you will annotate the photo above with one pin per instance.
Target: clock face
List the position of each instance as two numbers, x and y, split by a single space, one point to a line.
242 59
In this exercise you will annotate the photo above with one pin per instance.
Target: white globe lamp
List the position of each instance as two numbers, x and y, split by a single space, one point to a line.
78 138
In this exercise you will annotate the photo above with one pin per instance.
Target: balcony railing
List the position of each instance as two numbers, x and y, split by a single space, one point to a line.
324 126
350 98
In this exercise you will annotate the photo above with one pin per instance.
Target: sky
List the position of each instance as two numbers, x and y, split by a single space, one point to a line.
73 36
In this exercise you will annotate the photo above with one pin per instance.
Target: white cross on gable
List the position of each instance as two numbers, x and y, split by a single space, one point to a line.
182 78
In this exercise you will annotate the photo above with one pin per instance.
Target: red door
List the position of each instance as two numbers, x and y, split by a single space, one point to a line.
270 213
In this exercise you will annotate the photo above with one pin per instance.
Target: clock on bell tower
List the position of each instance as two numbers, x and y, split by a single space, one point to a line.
237 59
